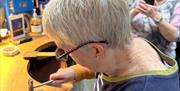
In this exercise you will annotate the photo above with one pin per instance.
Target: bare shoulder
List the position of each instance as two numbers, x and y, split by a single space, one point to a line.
148 54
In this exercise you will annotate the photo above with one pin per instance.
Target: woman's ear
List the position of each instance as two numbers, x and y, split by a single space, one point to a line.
97 49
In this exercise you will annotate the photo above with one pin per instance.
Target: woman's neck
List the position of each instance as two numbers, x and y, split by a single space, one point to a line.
134 60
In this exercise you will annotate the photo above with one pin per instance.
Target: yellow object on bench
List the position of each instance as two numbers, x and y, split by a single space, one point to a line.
10 51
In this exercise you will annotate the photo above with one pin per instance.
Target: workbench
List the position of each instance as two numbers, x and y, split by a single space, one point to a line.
13 70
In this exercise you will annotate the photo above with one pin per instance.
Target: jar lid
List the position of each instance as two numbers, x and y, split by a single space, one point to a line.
10 51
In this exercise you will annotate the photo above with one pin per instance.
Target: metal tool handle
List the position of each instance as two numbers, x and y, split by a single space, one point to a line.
30 85
44 83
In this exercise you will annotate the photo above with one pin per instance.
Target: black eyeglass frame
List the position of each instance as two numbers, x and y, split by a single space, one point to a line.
76 48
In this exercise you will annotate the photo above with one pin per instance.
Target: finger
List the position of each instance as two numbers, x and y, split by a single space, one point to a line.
141 9
61 69
142 1
153 7
143 6
55 76
57 83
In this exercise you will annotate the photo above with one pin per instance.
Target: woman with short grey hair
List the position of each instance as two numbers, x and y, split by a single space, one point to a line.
97 35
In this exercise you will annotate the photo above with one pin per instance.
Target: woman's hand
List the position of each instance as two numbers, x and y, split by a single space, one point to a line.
62 76
136 10
149 10
168 31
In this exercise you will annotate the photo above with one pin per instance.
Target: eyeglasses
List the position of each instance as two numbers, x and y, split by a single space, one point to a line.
60 53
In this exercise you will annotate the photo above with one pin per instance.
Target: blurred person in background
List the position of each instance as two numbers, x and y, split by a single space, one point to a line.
158 22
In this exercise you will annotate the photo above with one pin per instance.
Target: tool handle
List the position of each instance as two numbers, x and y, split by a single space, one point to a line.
30 85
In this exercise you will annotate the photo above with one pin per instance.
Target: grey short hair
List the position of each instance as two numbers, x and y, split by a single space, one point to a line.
77 21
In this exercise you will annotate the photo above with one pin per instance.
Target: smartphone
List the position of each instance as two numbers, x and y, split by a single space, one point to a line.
151 2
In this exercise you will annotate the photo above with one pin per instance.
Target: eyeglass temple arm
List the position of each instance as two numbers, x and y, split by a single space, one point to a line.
67 53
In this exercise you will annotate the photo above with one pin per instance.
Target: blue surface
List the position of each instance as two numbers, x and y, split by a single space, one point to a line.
16 8
21 6
1 3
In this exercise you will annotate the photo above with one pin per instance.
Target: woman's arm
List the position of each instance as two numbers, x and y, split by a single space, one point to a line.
81 72
73 73
168 31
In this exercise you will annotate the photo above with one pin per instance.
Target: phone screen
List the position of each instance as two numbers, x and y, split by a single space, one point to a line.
151 2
